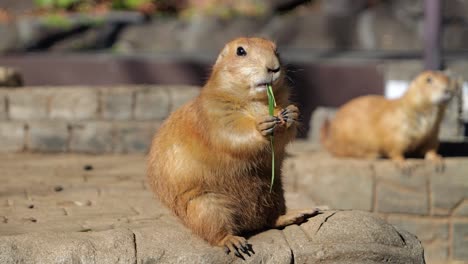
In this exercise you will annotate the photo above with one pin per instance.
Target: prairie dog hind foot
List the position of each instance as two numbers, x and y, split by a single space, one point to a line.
237 245
296 217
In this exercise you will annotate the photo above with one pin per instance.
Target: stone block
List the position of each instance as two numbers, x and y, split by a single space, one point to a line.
449 189
28 104
134 136
460 241
401 70
179 95
12 136
354 237
113 246
117 103
48 136
433 233
73 103
401 193
327 180
152 103
170 242
92 137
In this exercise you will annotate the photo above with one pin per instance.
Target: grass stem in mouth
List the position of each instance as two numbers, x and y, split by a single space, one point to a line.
271 110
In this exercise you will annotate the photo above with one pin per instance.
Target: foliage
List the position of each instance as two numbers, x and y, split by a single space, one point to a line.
129 4
74 5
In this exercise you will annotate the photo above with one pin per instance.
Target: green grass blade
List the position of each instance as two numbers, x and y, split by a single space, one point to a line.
271 110
272 164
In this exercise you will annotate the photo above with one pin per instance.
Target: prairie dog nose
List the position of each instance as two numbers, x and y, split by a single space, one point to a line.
275 70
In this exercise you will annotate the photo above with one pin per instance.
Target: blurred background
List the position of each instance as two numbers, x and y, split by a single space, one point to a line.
335 50
100 76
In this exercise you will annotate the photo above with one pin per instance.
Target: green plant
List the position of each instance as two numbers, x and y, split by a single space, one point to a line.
271 111
61 4
129 4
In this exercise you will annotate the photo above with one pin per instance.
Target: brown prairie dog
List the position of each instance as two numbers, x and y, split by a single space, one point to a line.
210 161
373 126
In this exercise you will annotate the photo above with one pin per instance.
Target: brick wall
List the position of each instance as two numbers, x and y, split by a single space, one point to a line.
432 205
85 119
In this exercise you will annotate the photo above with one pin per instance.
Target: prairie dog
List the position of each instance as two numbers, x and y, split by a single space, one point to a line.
373 126
210 162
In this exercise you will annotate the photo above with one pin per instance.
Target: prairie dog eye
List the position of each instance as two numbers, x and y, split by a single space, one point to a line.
241 51
429 80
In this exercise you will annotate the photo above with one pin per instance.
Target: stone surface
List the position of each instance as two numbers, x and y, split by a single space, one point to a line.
460 240
117 103
433 233
450 189
28 104
401 70
152 103
398 192
121 222
318 177
357 237
48 136
381 29
113 246
134 136
92 137
73 103
12 136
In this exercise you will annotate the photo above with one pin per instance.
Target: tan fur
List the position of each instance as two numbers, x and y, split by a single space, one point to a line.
373 126
209 162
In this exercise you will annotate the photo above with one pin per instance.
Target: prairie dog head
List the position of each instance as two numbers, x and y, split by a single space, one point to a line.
431 88
248 65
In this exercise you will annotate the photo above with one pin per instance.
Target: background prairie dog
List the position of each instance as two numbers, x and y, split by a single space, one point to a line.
373 126
210 161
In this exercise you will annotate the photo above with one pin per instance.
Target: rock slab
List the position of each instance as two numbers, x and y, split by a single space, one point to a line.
333 236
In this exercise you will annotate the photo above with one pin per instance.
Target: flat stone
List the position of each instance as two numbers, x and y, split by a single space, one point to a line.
92 137
401 193
165 242
107 199
48 136
134 136
28 104
460 241
152 103
392 199
113 246
73 103
12 136
450 189
433 233
117 103
359 237
326 183
182 94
